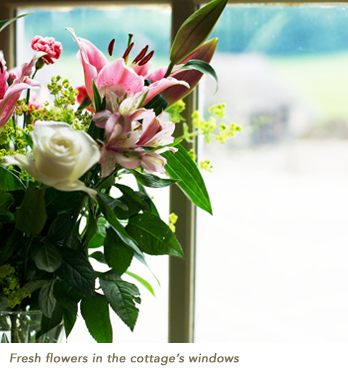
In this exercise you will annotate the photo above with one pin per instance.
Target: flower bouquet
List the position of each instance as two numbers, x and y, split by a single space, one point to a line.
62 201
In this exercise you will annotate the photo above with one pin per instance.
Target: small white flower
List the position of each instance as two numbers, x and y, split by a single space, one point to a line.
60 156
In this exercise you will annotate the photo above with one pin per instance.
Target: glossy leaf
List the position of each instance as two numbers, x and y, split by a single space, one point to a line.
9 181
48 258
6 22
150 180
181 166
203 67
59 228
47 301
31 216
67 296
122 297
117 254
95 312
69 321
99 256
77 271
153 236
141 280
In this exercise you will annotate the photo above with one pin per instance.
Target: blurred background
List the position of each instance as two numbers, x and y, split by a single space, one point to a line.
271 262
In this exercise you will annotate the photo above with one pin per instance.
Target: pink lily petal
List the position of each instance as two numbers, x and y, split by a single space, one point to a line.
101 118
8 103
89 70
112 127
117 73
159 86
142 70
95 56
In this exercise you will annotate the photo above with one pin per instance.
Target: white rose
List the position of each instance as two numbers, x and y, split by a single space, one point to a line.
60 156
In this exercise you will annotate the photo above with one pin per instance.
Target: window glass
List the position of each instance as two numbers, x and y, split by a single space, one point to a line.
271 262
100 26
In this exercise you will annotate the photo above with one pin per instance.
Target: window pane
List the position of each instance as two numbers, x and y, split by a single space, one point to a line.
100 26
271 262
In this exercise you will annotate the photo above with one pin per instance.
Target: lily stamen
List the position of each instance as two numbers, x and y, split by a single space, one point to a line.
141 54
111 48
126 53
147 58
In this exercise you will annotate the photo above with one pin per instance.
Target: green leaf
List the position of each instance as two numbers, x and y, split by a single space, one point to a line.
95 312
47 301
59 201
48 258
9 181
117 254
150 180
49 323
77 271
158 104
13 244
60 228
99 256
67 296
133 202
99 234
145 283
69 321
202 67
34 285
97 98
122 297
148 200
181 166
91 224
6 22
153 236
31 216
115 224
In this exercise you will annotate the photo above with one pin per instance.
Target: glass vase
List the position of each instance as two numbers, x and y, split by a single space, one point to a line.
25 327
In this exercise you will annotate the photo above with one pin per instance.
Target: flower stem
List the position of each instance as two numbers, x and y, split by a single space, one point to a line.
169 69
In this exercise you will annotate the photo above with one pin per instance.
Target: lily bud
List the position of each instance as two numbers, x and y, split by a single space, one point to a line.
192 77
195 30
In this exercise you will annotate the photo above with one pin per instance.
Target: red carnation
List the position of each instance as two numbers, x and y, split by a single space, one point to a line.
48 45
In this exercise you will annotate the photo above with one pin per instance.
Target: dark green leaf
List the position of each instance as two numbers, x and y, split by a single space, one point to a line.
145 283
182 167
67 296
91 227
99 256
97 98
69 321
59 228
48 323
115 224
59 201
6 22
95 312
153 236
9 181
117 254
13 244
77 271
202 67
31 216
158 104
99 234
148 200
47 301
132 200
150 180
122 297
34 285
48 258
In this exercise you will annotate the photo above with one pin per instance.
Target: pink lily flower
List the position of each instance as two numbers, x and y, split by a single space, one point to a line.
9 95
107 75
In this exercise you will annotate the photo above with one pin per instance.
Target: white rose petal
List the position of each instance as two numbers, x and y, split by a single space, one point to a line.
60 156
